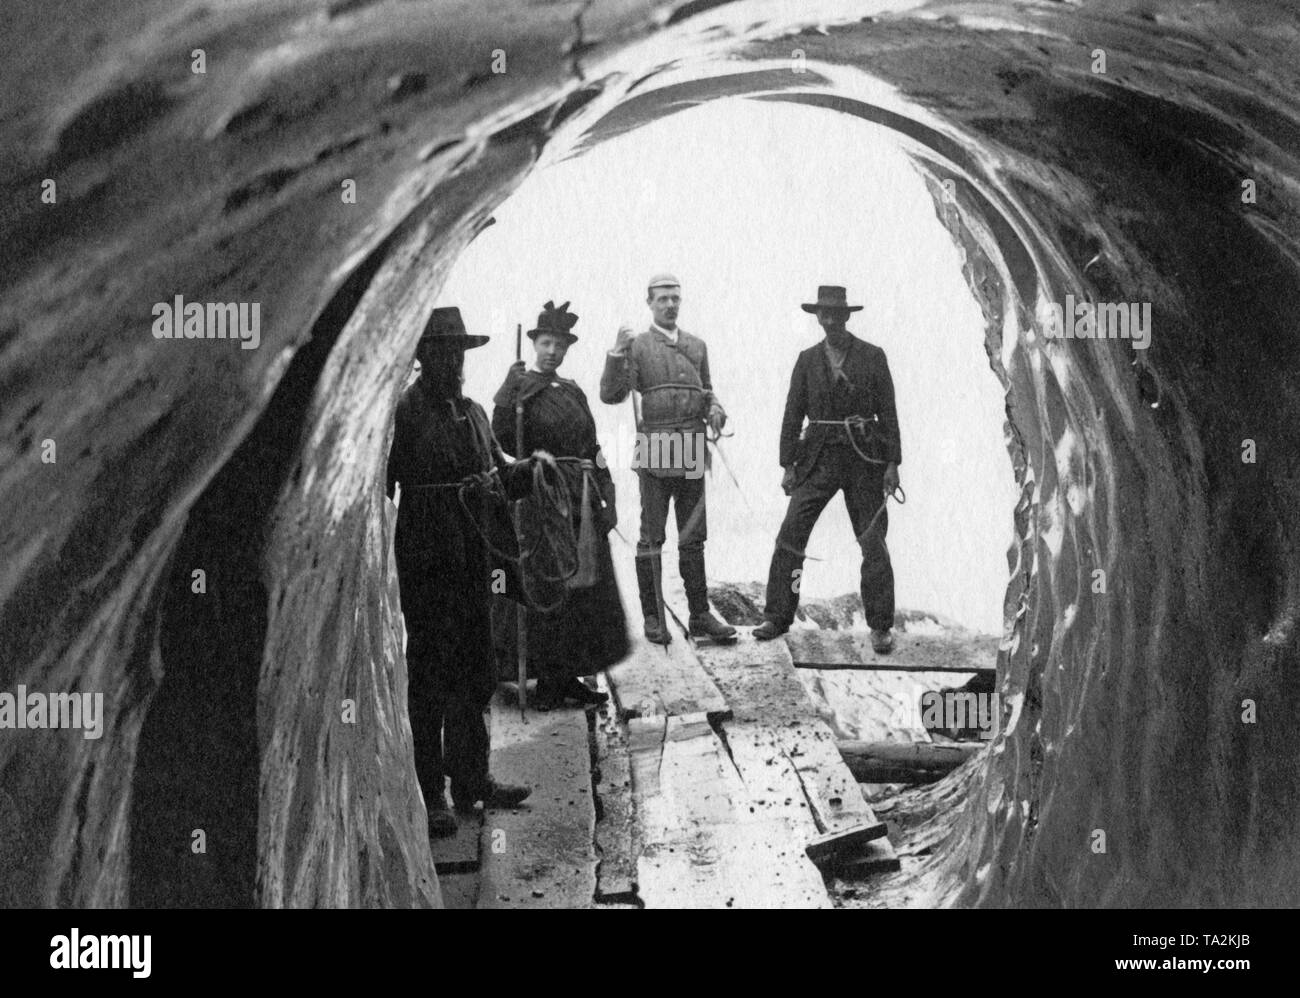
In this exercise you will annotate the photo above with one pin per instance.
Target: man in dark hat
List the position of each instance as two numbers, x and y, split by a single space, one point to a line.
445 459
670 368
575 625
851 444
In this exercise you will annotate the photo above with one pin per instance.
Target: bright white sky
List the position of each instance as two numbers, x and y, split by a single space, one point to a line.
753 205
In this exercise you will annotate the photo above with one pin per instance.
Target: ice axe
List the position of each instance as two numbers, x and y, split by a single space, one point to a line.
521 609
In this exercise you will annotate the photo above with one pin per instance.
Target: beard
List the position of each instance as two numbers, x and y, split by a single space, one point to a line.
445 376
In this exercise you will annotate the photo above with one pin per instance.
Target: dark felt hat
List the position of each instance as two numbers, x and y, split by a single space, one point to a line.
556 321
445 326
831 296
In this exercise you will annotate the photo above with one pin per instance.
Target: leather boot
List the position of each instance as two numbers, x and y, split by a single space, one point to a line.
702 623
768 630
648 568
706 625
645 582
655 632
492 794
442 823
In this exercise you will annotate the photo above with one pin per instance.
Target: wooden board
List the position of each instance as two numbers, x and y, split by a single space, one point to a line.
658 680
459 853
617 839
813 648
771 779
846 842
790 766
833 793
459 890
542 854
876 857
706 843
905 762
779 742
758 680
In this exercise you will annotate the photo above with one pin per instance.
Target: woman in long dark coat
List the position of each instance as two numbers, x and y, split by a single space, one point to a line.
576 626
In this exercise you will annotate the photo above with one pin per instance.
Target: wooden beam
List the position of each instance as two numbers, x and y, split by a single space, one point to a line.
901 762
925 755
816 649
842 841
616 834
884 665
877 857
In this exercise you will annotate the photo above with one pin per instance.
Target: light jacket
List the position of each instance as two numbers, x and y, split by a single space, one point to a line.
677 394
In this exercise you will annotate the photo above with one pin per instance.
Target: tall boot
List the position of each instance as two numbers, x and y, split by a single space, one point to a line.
648 569
702 623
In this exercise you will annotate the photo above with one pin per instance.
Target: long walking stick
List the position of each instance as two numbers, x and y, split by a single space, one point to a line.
521 610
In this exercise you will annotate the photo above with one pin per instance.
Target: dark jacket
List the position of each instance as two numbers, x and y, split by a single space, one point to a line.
445 570
558 420
574 631
815 394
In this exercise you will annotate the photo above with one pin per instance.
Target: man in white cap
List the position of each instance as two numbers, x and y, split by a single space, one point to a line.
670 368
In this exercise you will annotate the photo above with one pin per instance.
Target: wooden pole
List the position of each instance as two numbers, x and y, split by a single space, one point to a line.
521 611
894 762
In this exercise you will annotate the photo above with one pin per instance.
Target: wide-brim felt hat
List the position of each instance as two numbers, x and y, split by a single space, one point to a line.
555 322
831 296
446 328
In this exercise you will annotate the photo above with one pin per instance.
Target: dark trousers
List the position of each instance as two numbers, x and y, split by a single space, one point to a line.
863 485
687 497
447 696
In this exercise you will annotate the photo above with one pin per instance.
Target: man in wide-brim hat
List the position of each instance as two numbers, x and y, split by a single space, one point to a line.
842 386
833 299
441 439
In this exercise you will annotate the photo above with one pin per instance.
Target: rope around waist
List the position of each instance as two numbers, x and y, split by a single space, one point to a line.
476 478
859 423
673 384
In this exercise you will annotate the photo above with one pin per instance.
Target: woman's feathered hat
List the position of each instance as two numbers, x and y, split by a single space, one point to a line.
556 321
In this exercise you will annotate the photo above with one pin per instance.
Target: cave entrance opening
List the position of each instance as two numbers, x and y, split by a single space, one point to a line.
753 205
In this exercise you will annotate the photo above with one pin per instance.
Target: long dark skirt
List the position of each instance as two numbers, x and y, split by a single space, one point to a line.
585 634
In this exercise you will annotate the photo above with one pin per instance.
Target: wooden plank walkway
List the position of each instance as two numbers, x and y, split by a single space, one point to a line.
541 854
617 836
706 842
780 739
812 648
654 680
717 783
